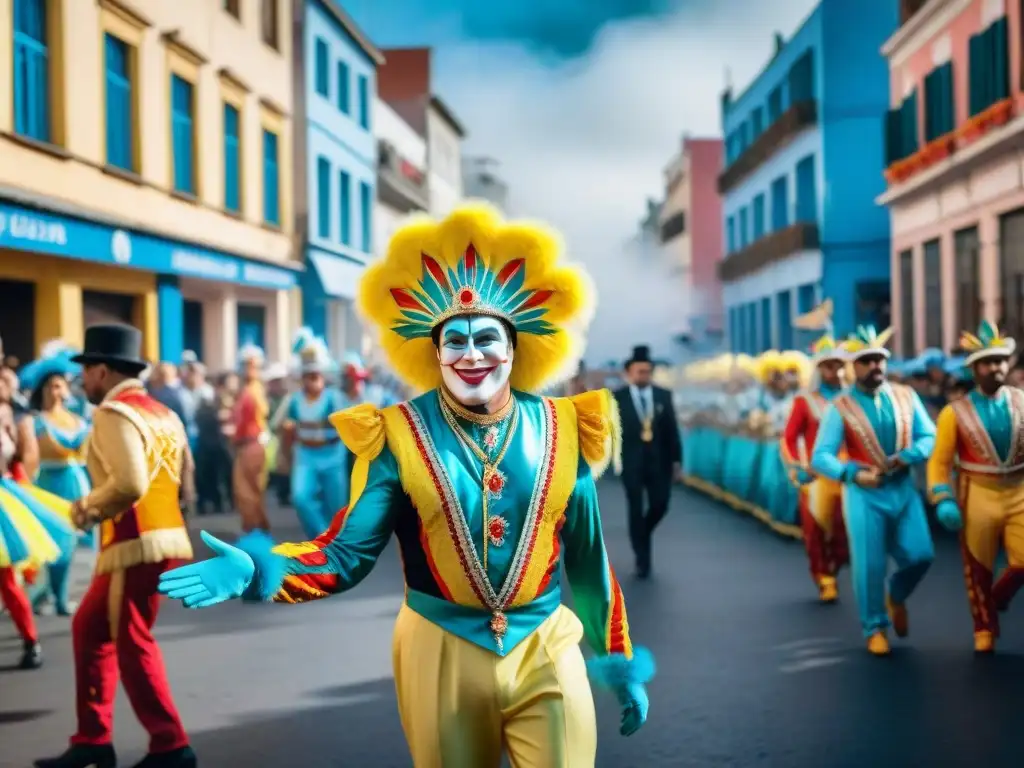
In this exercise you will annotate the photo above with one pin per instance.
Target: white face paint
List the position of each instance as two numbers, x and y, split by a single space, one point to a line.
475 353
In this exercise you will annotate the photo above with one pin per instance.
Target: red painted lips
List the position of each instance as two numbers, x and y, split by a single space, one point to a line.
474 376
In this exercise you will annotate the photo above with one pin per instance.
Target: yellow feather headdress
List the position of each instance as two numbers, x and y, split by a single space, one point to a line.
827 348
867 341
768 364
473 263
989 342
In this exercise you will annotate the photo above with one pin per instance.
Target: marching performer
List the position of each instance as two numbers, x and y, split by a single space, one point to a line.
488 489
251 435
61 436
354 377
139 459
319 483
886 431
32 532
980 434
820 497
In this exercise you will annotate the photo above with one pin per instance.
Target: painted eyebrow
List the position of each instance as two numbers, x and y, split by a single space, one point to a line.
454 332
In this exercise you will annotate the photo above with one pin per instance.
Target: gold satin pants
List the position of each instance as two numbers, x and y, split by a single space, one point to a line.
462 706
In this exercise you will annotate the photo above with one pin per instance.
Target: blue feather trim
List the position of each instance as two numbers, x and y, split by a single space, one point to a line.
615 671
271 568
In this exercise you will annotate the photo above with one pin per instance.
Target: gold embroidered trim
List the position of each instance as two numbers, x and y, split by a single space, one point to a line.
483 419
855 418
903 413
971 429
495 601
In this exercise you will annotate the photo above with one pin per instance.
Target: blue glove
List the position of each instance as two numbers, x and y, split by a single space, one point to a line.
803 476
634 703
949 515
223 577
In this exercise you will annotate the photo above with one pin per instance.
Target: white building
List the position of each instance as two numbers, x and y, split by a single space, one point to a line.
402 173
444 137
480 181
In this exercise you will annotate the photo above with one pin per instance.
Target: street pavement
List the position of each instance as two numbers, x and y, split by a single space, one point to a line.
752 671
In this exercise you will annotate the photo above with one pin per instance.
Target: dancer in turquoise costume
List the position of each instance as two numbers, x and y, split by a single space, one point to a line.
886 431
489 490
762 450
61 436
319 486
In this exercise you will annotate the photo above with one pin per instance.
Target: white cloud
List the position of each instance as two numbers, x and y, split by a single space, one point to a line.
584 144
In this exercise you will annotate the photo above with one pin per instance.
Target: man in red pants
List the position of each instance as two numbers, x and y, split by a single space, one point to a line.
820 498
138 460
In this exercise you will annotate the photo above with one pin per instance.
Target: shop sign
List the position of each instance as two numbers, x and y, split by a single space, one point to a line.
24 229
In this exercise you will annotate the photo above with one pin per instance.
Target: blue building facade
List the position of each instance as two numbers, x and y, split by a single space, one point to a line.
804 162
337 73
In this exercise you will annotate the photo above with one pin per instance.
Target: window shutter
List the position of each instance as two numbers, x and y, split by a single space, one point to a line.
948 98
974 79
1000 61
892 137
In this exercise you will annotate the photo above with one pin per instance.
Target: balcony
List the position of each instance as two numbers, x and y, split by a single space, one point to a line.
768 249
795 119
673 227
400 184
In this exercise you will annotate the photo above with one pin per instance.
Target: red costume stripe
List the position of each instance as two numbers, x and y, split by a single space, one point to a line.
617 617
442 497
435 271
337 523
554 561
543 501
445 592
508 271
538 298
406 300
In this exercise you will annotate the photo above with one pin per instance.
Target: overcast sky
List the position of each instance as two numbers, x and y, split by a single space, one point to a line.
584 102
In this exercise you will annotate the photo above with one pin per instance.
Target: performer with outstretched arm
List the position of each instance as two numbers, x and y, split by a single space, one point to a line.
488 489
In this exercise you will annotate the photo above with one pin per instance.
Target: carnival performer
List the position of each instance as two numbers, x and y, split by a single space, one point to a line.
886 431
61 436
980 435
251 435
488 489
354 377
319 484
31 533
820 498
140 463
764 426
280 450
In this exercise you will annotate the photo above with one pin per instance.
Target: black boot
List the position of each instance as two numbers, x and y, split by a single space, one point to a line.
183 757
82 756
32 656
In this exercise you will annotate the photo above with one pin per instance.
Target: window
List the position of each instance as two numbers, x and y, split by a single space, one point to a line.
967 277
672 227
364 102
271 179
730 235
344 97
801 79
268 23
784 305
345 196
907 325
780 203
366 213
933 294
939 118
233 8
31 70
322 76
232 159
183 135
757 122
1011 264
806 191
734 331
765 335
252 325
774 105
120 112
989 67
323 196
743 228
758 216
901 130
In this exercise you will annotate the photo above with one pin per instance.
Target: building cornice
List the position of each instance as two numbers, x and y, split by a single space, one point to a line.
928 22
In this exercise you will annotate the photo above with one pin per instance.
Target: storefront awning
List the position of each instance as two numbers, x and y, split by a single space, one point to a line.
338 275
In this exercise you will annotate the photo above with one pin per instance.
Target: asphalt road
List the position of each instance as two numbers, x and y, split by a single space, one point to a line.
752 672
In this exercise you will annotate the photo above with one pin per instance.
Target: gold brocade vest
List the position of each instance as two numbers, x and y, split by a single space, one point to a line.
153 529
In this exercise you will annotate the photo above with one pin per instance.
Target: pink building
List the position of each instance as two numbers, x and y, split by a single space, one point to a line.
955 173
691 232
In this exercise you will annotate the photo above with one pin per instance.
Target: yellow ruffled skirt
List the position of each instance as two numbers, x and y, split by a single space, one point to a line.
35 526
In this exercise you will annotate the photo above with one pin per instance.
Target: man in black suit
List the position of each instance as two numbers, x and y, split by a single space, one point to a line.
651 452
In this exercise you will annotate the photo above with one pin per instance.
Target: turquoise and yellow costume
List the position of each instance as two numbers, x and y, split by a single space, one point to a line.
887 431
486 510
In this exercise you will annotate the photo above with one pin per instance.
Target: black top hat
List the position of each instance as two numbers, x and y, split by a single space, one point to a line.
641 354
117 344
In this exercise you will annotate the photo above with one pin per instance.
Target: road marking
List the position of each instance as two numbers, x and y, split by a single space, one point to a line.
806 665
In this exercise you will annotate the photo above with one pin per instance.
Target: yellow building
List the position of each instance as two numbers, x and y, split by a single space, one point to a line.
145 174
